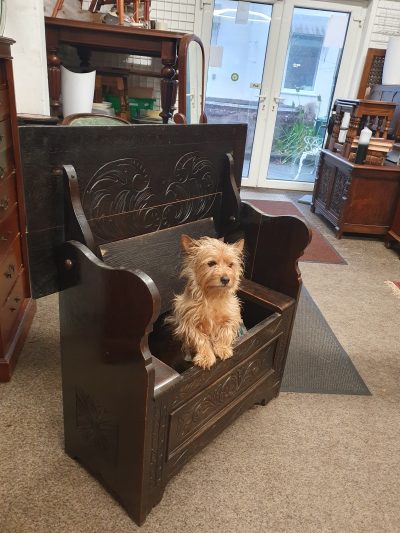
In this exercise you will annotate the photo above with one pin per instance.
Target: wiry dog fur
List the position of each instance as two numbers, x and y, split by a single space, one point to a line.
206 317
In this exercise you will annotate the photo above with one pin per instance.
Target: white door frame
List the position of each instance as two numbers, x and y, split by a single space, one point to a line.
275 63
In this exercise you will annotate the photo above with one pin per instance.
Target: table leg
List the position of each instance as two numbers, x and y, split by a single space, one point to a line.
54 75
84 54
169 86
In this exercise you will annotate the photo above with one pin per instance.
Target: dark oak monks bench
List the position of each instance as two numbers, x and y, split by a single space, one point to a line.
105 210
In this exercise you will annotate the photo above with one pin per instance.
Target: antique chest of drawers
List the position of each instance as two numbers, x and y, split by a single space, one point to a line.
16 306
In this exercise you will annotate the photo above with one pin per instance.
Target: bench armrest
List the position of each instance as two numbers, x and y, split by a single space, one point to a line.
273 246
252 291
118 305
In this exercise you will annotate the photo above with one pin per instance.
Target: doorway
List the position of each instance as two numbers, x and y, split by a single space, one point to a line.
277 66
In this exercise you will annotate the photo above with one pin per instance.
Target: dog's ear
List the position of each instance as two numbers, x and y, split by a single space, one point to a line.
239 245
187 242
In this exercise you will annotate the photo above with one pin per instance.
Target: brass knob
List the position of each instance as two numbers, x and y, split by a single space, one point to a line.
68 263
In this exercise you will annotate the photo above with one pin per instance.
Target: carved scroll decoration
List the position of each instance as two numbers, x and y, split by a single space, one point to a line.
196 379
194 414
119 200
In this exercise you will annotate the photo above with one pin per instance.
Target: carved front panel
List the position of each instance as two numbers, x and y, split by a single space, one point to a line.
339 192
206 407
325 176
196 380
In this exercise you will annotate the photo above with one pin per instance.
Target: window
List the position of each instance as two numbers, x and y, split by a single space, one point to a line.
303 59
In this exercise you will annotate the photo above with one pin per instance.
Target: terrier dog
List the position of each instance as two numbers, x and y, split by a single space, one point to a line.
206 317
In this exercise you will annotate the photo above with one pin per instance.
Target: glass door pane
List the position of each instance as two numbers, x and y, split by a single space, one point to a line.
238 46
312 63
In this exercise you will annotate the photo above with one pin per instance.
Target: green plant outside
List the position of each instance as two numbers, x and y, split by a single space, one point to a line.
289 144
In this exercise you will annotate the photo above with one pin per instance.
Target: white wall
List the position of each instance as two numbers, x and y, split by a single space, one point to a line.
25 24
386 23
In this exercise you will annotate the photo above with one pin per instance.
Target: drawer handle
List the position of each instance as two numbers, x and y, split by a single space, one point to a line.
3 238
2 173
13 309
4 204
17 299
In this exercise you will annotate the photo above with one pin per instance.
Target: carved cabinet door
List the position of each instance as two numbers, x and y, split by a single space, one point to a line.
338 196
326 174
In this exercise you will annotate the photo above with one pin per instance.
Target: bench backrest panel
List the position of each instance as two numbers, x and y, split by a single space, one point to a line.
132 180
158 254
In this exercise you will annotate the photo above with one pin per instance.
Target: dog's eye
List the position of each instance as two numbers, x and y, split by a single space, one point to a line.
230 265
211 263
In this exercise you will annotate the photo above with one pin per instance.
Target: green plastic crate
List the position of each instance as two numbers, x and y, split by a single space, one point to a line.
115 101
138 104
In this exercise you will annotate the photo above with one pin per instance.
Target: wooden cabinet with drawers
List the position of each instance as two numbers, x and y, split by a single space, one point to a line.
16 306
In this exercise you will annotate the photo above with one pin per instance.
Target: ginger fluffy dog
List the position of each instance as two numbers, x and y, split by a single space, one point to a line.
206 317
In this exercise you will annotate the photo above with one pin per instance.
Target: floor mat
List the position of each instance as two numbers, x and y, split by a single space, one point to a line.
316 361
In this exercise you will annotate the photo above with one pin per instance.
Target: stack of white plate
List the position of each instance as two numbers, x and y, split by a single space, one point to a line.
103 108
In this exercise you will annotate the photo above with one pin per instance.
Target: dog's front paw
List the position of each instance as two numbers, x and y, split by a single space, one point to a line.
204 360
223 351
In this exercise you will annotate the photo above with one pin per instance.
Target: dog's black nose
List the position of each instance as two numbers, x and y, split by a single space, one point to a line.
224 280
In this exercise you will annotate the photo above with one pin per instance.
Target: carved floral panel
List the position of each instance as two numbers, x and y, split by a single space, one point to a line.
212 401
339 192
120 201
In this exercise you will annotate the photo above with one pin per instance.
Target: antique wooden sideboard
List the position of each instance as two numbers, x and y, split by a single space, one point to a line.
16 306
87 37
355 198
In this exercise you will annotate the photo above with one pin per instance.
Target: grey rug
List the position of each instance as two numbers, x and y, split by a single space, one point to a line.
316 361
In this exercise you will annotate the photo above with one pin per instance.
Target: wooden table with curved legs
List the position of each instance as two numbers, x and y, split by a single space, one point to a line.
87 37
